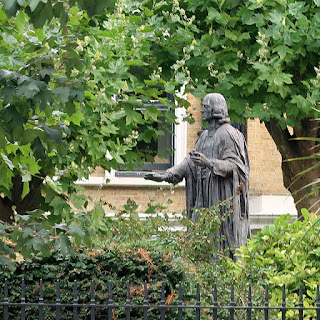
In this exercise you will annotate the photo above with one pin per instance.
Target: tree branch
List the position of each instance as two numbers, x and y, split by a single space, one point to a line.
282 139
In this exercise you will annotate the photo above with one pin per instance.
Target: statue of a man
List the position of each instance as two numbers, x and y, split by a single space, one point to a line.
216 170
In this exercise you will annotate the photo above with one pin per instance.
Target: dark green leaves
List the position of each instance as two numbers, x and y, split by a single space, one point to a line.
60 70
43 11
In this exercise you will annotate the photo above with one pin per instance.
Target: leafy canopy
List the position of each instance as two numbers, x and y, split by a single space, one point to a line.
59 76
261 54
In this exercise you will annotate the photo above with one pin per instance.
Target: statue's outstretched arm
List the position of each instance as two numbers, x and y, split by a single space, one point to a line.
156 176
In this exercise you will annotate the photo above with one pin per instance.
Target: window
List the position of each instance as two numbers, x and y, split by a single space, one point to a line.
172 149
161 149
177 143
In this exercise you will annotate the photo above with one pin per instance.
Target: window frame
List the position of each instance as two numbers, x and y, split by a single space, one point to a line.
180 151
149 166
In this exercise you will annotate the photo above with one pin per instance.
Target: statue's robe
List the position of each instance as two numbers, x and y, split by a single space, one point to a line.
227 178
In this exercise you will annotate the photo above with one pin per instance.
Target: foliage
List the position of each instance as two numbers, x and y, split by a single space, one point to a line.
261 54
263 57
59 76
286 253
118 264
193 243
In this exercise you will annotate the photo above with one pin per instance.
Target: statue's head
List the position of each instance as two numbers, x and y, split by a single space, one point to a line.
214 105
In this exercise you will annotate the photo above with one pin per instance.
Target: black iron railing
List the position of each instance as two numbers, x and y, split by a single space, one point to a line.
163 309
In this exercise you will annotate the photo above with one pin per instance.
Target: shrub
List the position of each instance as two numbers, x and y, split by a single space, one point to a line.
118 263
284 254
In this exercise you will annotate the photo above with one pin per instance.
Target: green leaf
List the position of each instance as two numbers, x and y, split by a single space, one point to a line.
282 78
20 19
58 203
37 243
63 245
147 135
109 129
97 7
78 201
62 94
151 112
33 4
76 118
276 17
214 15
26 189
7 161
70 108
76 229
231 35
53 134
282 50
27 90
27 232
10 7
3 140
132 116
4 261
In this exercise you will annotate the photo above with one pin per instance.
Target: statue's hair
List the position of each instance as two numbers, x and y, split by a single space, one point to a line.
219 106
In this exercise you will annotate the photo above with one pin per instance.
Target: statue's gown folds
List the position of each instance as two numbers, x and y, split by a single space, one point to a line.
228 175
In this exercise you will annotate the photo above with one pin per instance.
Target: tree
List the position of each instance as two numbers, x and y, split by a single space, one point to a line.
263 55
62 63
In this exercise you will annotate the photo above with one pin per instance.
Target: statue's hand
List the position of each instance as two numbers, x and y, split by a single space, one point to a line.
199 159
155 176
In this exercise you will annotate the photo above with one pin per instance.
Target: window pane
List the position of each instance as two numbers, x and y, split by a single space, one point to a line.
161 149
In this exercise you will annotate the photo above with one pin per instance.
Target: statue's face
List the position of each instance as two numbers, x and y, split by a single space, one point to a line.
206 111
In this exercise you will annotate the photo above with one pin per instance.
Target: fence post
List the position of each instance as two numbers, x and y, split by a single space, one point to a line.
198 303
41 300
266 304
318 303
23 300
215 303
128 302
58 308
232 303
249 310
180 303
284 305
6 301
110 302
162 303
92 302
75 300
300 303
145 302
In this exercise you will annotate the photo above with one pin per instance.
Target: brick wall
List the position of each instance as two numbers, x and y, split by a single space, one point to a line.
118 195
265 170
265 161
193 129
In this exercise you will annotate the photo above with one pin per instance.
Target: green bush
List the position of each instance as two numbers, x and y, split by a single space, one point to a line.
287 253
118 263
138 250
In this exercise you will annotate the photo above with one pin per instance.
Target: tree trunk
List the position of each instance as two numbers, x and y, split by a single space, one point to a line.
299 174
30 202
6 213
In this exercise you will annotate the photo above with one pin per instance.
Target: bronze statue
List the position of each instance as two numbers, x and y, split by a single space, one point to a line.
216 170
